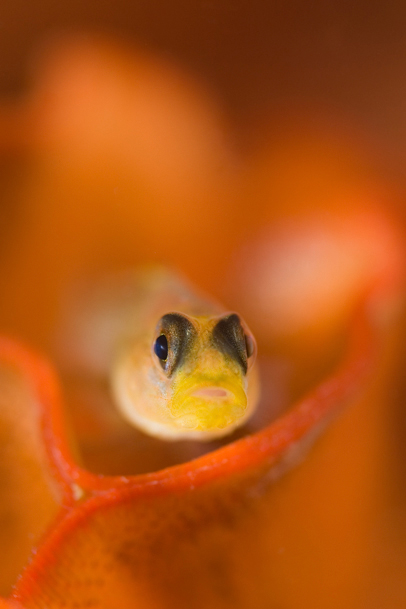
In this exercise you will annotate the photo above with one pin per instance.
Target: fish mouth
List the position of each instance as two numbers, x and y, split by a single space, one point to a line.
212 393
208 406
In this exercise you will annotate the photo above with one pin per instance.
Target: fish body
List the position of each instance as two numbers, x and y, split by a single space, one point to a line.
180 366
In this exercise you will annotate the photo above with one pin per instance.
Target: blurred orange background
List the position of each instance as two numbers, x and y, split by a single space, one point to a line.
260 150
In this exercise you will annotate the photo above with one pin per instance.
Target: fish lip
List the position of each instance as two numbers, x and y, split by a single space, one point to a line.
209 405
212 392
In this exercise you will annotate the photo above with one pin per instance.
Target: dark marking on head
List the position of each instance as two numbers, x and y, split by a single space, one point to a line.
180 334
229 337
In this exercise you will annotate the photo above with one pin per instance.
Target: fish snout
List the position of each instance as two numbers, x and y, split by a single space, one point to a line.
209 406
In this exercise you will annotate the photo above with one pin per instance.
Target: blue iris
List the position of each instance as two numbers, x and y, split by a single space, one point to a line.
161 347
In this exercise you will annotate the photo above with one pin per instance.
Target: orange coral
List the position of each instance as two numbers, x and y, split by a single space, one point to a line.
158 539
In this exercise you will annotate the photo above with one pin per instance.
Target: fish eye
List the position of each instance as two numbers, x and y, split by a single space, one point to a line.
249 345
161 347
175 337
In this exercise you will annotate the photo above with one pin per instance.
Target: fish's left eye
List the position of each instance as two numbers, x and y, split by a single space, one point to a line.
249 345
161 347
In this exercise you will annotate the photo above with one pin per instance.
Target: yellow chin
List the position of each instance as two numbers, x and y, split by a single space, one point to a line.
208 404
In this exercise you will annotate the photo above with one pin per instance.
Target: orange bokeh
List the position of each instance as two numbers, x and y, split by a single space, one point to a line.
125 159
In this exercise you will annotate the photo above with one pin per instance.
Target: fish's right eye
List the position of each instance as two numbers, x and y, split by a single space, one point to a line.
161 347
175 336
